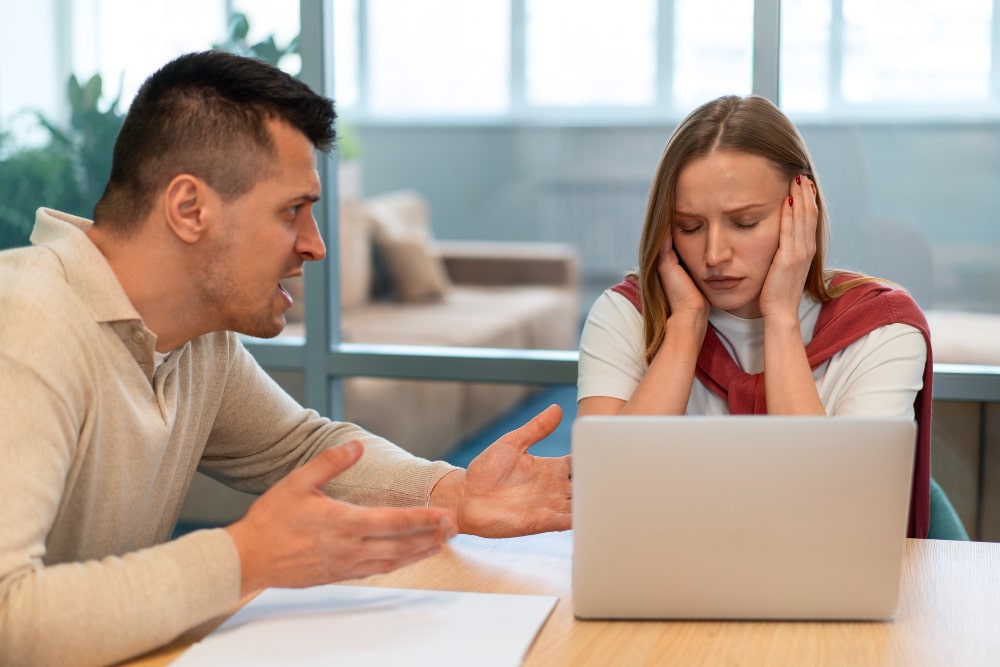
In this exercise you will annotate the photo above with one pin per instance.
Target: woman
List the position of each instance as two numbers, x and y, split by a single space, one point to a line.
732 310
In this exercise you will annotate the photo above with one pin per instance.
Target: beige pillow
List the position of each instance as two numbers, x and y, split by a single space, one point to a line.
402 235
356 272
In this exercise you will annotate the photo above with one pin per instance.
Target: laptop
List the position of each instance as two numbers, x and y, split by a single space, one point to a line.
740 517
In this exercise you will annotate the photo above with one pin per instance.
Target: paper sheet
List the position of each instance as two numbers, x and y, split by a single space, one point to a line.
372 626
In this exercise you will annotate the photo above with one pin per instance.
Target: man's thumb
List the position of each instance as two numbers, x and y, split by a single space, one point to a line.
326 465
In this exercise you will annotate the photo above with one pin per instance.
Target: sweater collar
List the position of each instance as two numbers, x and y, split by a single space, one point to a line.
94 282
86 269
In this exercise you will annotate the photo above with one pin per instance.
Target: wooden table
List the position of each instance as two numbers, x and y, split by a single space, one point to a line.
949 613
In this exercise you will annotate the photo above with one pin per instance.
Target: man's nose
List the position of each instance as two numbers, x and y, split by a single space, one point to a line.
310 243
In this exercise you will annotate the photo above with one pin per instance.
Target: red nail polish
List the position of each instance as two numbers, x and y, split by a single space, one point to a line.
790 200
798 180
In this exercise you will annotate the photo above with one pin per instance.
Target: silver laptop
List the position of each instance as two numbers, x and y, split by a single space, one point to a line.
739 517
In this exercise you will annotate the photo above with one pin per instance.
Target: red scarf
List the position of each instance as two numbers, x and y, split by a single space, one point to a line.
846 319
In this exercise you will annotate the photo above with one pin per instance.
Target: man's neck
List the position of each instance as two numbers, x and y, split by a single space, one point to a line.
150 276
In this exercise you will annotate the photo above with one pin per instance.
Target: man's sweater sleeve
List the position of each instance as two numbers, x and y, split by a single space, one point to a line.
261 434
92 611
101 612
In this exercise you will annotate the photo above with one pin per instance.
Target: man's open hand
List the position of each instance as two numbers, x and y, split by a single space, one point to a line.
294 535
506 491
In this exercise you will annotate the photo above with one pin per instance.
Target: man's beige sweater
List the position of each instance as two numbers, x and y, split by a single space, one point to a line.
98 447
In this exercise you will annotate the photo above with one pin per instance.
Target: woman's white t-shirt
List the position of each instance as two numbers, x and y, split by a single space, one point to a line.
879 374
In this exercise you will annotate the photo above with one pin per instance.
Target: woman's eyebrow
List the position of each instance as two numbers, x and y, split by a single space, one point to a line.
730 211
746 207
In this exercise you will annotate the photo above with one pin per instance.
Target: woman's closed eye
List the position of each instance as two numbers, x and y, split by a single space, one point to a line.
687 226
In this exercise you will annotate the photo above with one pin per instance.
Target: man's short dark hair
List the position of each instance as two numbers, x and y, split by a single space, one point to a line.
206 114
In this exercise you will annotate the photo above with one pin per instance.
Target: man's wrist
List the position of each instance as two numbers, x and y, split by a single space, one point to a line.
250 577
449 493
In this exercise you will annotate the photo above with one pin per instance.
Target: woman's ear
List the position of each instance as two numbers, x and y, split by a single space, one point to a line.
187 207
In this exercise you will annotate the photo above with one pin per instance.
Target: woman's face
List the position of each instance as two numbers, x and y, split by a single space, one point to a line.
726 221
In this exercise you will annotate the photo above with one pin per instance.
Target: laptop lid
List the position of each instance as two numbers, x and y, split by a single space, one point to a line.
739 517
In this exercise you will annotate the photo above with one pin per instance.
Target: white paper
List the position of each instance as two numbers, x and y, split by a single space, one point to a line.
372 626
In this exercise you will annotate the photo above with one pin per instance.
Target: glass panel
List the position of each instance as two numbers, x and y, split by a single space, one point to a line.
571 61
81 82
912 197
273 32
24 90
438 56
500 234
916 51
127 41
347 90
713 50
805 44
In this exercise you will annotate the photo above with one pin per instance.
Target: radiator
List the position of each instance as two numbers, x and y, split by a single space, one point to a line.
602 219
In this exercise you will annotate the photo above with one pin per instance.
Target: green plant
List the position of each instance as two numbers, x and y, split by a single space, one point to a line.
68 172
26 175
91 136
266 49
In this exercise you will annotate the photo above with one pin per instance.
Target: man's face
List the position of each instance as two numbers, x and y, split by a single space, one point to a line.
265 236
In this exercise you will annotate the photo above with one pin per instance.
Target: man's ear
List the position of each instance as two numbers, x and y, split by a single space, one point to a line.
188 207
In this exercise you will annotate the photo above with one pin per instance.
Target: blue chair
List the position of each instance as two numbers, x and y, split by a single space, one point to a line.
945 523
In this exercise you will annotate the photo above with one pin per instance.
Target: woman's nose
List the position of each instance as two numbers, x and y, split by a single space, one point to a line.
718 249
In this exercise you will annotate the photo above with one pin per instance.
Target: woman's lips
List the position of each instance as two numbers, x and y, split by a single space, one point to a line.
723 283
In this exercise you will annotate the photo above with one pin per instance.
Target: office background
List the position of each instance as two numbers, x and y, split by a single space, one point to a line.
542 121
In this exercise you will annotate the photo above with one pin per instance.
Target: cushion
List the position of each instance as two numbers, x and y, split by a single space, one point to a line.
403 238
355 255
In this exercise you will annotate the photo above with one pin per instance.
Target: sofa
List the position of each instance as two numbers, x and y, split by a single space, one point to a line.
401 285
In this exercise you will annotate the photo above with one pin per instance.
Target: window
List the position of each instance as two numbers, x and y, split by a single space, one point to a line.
895 101
651 59
714 46
939 52
127 41
500 59
579 54
893 57
438 56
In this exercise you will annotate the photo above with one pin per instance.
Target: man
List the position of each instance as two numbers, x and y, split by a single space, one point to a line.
122 376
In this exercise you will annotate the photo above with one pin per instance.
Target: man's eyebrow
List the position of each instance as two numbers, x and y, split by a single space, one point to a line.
307 196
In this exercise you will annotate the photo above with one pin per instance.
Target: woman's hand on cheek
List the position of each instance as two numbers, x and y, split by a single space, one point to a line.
786 279
683 296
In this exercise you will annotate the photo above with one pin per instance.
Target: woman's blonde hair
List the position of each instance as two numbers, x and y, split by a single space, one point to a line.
750 125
